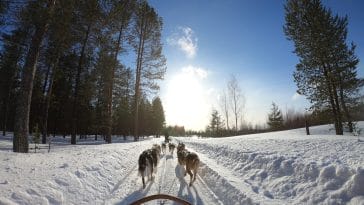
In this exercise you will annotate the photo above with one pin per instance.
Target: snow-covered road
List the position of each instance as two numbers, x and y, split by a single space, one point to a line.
272 168
169 180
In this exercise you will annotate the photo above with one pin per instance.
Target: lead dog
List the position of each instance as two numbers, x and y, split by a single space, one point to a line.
190 160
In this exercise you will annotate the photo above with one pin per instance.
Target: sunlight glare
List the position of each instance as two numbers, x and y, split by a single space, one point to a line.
186 101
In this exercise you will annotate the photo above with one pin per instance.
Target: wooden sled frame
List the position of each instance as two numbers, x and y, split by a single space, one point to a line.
160 196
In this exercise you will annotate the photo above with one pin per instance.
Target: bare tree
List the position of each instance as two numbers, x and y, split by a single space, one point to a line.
236 99
225 107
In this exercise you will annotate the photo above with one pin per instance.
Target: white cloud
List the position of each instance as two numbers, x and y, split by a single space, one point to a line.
185 39
296 96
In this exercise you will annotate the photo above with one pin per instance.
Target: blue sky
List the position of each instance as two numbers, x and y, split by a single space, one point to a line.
207 41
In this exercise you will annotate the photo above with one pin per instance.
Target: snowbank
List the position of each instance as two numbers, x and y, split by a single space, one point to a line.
290 167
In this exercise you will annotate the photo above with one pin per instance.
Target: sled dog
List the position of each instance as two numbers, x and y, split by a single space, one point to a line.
146 165
148 161
164 146
171 147
190 160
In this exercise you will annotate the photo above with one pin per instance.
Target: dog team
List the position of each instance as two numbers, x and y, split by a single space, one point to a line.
149 159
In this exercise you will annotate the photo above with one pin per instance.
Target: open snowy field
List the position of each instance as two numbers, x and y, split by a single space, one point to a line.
285 167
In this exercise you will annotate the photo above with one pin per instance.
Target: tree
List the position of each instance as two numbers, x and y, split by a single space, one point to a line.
59 40
89 16
118 17
225 107
327 63
9 70
150 62
275 119
158 118
41 22
216 124
236 98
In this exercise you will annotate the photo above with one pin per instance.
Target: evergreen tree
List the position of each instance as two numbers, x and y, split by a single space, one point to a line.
150 62
158 118
39 14
119 17
9 74
86 27
327 64
275 118
216 124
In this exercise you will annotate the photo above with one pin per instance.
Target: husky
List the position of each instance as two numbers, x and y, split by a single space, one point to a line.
157 147
181 147
171 147
146 165
188 159
192 164
164 146
148 161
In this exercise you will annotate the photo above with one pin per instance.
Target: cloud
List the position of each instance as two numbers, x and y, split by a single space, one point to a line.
201 73
296 96
185 40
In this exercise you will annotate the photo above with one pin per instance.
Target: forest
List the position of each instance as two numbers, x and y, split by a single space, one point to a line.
62 68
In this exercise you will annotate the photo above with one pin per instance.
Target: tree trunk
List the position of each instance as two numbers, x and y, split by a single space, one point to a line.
77 84
332 101
47 102
5 113
307 127
137 81
21 127
345 108
339 130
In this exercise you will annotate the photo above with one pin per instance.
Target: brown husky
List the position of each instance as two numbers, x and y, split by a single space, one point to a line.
190 159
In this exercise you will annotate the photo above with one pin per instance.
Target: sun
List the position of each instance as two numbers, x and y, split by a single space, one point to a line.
186 102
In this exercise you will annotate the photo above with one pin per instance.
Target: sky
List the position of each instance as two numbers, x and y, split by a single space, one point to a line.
208 41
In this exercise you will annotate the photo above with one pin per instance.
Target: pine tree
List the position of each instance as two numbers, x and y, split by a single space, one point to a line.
275 118
150 62
41 22
9 72
86 26
327 63
216 124
158 118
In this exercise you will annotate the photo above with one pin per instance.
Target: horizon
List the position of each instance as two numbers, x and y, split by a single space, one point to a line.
241 38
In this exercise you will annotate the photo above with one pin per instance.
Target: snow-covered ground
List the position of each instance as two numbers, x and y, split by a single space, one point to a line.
285 167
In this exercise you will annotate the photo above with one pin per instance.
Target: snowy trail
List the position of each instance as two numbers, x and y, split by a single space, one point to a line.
271 168
169 180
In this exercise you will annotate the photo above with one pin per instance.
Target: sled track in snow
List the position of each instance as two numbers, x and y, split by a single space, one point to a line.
162 173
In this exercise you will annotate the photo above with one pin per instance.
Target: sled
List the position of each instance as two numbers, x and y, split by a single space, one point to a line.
160 196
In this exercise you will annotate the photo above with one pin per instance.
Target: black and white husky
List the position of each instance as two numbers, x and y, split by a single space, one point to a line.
148 161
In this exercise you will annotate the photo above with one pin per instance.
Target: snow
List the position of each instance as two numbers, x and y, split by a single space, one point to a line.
286 167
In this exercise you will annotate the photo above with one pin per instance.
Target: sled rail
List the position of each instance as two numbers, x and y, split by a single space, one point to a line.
160 196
